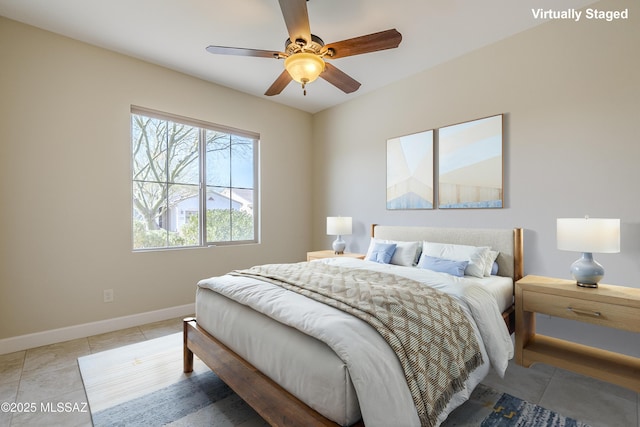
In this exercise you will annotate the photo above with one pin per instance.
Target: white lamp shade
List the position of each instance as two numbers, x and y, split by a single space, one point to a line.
599 235
338 225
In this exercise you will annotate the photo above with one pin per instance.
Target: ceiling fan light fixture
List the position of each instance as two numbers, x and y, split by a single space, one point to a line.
304 67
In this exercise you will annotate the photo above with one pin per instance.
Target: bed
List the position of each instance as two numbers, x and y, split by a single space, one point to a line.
298 361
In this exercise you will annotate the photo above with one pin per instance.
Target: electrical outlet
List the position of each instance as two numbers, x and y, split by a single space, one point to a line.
108 295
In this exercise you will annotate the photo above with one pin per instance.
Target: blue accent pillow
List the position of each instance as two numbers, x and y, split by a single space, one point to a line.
494 268
441 265
382 252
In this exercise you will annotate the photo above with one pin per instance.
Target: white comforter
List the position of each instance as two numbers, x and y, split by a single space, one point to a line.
375 371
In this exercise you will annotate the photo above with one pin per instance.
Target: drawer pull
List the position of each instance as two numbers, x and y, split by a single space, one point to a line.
585 312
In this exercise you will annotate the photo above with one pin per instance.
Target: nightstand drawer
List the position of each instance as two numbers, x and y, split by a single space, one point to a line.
611 315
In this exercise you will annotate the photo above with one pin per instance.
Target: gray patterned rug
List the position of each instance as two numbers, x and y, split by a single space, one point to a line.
200 400
143 385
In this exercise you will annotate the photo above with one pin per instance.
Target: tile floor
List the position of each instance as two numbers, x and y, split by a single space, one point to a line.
44 383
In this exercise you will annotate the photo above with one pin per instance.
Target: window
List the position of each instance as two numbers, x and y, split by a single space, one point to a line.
194 183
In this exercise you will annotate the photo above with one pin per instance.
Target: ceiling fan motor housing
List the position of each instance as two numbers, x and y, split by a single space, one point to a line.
300 45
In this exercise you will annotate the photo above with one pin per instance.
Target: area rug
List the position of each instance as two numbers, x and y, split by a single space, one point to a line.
487 407
143 385
510 411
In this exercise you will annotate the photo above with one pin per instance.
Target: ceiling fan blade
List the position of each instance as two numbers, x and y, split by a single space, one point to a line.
339 79
388 39
278 86
240 51
296 18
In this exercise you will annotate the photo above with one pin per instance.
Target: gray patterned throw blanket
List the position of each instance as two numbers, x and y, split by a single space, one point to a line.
427 329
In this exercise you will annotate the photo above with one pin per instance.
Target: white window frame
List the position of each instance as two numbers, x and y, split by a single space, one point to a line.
202 126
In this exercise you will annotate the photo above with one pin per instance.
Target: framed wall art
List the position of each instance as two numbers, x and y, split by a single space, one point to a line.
470 164
410 163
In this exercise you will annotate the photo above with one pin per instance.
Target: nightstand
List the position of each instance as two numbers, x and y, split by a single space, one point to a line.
331 254
610 306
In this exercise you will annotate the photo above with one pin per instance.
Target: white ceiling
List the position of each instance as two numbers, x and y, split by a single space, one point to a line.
175 33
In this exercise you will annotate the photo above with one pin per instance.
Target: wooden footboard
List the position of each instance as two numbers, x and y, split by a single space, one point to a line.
276 405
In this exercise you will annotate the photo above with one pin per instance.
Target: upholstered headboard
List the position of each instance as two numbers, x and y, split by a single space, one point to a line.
507 241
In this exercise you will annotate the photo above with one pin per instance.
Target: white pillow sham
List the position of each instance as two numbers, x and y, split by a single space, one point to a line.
406 254
491 258
476 256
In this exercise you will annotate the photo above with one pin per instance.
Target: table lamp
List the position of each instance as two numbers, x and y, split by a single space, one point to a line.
338 226
588 235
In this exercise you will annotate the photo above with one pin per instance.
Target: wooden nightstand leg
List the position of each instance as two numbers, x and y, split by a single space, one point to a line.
525 328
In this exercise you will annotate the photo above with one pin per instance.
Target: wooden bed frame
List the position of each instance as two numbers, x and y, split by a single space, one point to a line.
272 402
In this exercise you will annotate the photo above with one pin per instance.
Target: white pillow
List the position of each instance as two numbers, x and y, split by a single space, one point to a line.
491 258
406 254
477 256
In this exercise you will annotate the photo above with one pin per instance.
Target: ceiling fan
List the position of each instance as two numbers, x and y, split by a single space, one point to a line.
305 53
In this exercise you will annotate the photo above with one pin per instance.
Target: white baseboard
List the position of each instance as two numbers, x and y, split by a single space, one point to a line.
24 342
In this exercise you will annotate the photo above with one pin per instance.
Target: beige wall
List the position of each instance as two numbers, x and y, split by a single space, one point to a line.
570 92
65 192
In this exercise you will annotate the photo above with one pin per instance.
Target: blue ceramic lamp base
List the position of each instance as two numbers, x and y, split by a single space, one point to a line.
339 246
587 271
